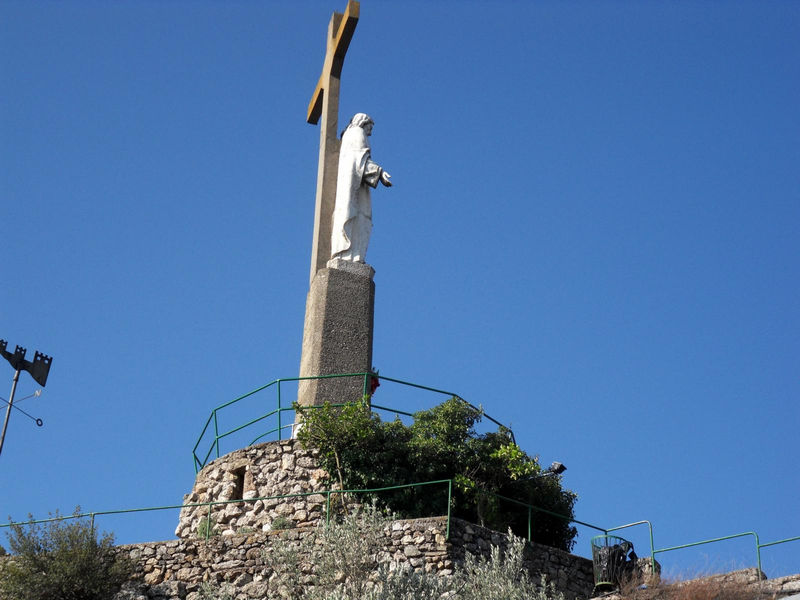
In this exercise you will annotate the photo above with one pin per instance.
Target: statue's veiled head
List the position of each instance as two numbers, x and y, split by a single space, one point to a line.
362 120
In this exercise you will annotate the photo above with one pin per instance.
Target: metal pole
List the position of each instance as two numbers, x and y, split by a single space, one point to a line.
280 431
328 508
449 505
530 518
216 431
8 409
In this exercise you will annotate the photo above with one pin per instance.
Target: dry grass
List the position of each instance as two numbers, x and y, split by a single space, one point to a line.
710 588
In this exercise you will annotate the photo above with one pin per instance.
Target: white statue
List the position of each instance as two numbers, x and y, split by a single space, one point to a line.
352 213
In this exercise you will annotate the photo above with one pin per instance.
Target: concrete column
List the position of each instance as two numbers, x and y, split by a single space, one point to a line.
337 336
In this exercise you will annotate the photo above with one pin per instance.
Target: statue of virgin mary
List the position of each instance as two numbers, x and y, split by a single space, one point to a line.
352 213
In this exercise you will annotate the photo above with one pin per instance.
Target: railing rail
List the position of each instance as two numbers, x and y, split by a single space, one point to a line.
280 409
533 508
327 493
654 550
718 539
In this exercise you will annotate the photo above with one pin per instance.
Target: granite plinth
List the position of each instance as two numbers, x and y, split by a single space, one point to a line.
337 337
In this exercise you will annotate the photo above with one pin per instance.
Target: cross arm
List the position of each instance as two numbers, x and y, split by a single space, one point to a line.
334 57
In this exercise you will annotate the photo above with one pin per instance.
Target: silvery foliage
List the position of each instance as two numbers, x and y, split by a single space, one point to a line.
346 552
211 591
399 585
348 566
501 576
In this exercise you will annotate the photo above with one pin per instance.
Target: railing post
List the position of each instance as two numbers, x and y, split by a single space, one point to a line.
216 431
92 519
208 522
328 508
280 431
530 515
652 544
758 553
449 503
652 550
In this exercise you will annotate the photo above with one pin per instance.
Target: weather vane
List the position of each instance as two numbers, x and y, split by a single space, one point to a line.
39 370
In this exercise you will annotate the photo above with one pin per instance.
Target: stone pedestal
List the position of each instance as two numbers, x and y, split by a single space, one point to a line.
337 336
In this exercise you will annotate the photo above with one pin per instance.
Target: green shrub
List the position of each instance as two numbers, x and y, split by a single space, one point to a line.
348 566
212 591
61 560
361 451
281 522
344 555
207 527
502 576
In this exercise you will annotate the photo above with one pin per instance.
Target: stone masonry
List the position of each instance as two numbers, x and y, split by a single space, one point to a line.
751 582
246 527
175 570
260 471
243 528
246 531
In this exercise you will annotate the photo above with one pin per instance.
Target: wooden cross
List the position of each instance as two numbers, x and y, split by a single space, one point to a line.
325 103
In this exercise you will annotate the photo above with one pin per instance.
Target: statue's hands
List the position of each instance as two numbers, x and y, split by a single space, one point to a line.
386 179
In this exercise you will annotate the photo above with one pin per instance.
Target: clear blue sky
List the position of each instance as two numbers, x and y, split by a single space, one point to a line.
593 233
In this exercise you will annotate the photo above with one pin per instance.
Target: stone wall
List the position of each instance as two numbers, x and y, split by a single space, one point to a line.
571 574
243 533
175 570
260 471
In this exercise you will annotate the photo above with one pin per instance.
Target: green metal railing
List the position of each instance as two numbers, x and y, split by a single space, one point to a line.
278 413
654 550
532 508
449 486
328 512
210 505
327 494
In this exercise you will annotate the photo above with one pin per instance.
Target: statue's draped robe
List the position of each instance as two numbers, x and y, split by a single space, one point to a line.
352 213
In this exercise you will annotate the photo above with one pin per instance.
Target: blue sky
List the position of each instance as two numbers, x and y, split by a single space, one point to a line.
592 233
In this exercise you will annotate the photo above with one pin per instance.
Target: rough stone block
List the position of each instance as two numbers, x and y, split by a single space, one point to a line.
337 336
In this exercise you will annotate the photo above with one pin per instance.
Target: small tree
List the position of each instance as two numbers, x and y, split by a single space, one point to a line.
337 431
61 560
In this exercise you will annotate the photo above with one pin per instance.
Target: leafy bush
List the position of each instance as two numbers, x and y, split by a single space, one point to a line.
343 555
212 591
361 451
348 567
61 560
502 576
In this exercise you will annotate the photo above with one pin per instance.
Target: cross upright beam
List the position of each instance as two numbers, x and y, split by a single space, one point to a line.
324 105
